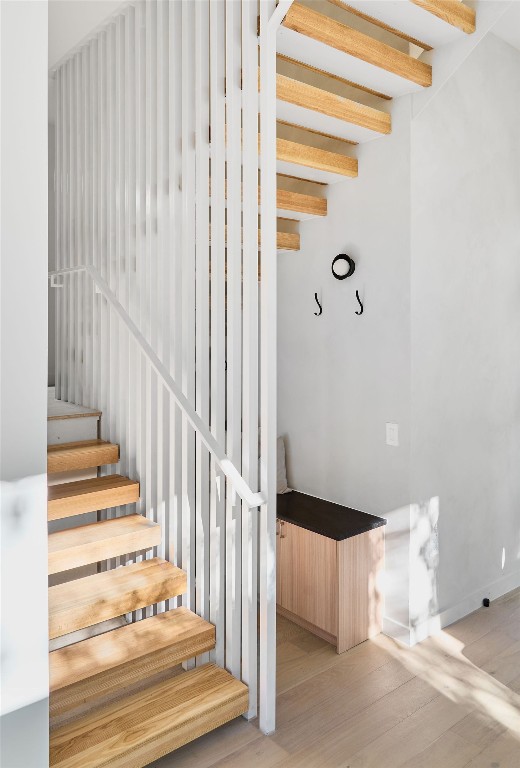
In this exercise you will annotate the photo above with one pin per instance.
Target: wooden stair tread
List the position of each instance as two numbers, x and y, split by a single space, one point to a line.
297 202
311 107
141 728
452 12
81 496
82 454
341 50
426 23
90 600
91 543
334 166
102 665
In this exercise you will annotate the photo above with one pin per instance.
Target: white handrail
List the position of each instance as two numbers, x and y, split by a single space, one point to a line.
250 498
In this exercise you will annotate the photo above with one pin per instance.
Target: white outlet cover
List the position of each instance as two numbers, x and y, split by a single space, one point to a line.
392 434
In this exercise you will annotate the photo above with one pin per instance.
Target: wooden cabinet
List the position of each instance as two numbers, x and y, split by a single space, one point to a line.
331 587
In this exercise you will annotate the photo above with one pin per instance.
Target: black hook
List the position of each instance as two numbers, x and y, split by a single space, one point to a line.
360 304
319 305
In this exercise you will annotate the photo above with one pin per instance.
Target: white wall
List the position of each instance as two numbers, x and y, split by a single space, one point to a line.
466 324
23 379
341 377
70 21
433 222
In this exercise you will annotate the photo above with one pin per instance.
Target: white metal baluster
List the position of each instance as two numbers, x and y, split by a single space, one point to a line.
94 188
80 202
87 230
234 331
250 353
218 348
160 278
267 522
58 219
71 312
202 303
120 333
188 283
175 170
106 222
130 234
151 191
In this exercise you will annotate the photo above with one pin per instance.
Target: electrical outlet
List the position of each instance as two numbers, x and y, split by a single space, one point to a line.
392 435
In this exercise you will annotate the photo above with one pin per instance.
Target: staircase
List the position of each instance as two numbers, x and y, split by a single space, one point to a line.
118 694
119 697
338 70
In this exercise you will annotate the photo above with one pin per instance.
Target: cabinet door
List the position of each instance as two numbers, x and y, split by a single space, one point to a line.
307 576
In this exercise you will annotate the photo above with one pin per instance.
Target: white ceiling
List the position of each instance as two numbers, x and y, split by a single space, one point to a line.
508 27
70 21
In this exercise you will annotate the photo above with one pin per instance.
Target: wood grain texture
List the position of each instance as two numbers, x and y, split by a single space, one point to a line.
288 241
330 104
311 157
308 22
137 660
75 547
452 12
134 732
82 454
82 496
378 23
179 633
350 83
307 576
360 600
314 132
82 603
296 201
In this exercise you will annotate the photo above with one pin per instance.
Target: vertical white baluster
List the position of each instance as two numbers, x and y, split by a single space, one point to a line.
87 230
250 355
175 171
130 234
71 311
267 574
188 290
94 235
59 197
218 342
234 332
161 278
80 202
202 303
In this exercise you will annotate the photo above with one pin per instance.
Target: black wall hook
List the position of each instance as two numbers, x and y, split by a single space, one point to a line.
319 305
361 308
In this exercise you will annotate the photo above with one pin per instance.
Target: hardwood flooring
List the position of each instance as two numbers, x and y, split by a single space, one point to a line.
451 702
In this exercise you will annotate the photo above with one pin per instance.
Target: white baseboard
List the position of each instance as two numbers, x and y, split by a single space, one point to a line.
410 635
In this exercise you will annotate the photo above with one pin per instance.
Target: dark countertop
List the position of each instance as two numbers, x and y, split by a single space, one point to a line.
324 517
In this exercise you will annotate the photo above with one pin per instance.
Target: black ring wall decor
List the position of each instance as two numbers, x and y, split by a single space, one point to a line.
351 266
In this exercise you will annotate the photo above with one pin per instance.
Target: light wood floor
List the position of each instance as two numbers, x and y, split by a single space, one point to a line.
450 702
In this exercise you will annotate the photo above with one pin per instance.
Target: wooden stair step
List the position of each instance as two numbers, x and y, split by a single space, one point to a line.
84 454
314 164
84 602
91 543
82 496
329 45
99 666
311 107
427 23
147 725
300 206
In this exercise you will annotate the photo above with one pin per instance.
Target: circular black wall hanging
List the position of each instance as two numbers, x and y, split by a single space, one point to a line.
342 257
